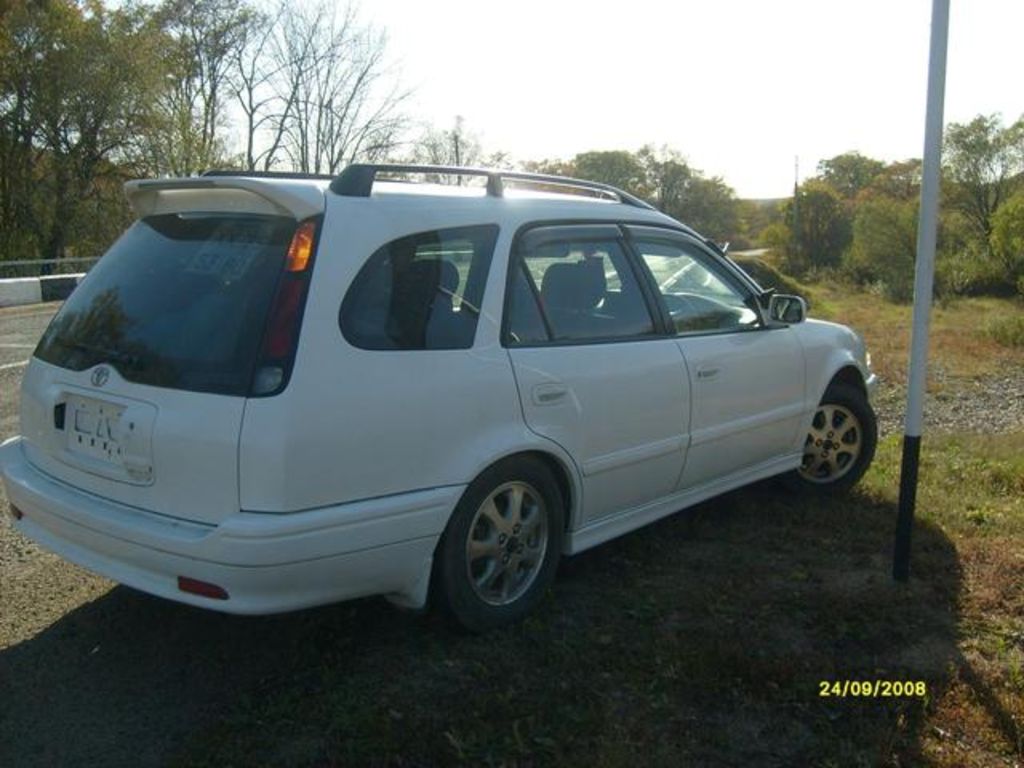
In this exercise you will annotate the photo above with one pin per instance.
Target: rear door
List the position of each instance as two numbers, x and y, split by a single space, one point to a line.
137 389
594 373
746 377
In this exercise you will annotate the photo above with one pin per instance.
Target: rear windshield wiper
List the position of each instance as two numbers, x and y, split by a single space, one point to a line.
111 356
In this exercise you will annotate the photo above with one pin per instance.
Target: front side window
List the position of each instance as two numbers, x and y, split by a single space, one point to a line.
698 295
422 291
573 289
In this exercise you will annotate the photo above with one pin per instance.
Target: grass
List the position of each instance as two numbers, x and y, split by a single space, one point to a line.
961 344
704 639
1008 331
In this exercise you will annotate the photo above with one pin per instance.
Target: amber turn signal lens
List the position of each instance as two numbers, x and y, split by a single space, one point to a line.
300 251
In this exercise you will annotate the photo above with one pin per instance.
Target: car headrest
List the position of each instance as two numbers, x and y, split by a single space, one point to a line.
577 286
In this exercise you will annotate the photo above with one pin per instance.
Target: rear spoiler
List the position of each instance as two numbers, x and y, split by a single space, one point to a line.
299 199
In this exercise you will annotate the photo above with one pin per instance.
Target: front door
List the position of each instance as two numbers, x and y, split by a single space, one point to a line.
746 377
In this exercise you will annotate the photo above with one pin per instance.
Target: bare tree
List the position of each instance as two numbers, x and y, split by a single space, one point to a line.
253 72
456 146
452 147
207 36
316 91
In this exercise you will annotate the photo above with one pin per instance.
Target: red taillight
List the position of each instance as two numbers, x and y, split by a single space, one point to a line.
282 331
202 588
284 318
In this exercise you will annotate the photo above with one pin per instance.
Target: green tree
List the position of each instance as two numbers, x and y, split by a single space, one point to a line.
667 178
616 167
756 216
984 162
19 43
1008 238
884 245
778 238
820 228
708 205
78 85
899 180
712 209
963 265
849 173
550 167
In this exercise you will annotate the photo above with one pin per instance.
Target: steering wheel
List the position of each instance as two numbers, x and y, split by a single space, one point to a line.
678 305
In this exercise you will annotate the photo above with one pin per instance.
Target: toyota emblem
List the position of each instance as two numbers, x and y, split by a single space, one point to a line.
100 376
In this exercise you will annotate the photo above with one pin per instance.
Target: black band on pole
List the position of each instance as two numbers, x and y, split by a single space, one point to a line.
905 512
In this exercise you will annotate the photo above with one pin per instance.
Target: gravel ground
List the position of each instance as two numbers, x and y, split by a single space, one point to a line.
994 404
95 674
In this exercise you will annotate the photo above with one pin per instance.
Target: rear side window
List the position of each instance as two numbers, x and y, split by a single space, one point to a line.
577 288
422 291
526 324
179 301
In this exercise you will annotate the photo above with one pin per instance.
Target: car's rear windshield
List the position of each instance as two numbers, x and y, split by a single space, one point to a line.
179 301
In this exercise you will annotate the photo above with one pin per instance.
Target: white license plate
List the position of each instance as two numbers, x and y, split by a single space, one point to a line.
94 429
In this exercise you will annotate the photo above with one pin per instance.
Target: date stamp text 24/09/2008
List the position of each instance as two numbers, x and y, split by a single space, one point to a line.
879 689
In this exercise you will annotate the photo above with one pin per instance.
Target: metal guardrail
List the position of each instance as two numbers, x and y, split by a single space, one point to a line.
38 267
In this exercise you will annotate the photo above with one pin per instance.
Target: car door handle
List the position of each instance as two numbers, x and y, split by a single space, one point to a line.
548 394
708 373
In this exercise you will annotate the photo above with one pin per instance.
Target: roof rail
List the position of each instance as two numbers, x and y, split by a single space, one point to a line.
267 174
357 180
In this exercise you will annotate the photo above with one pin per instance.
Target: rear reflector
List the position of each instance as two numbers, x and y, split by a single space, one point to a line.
16 513
202 588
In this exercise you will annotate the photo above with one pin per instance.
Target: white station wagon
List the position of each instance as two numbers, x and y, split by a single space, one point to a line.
276 392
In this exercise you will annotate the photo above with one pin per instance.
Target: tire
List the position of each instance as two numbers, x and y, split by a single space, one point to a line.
502 544
840 444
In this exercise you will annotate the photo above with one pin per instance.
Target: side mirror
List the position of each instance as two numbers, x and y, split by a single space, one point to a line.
787 309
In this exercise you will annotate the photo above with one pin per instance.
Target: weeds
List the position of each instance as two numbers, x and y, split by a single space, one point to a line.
1008 331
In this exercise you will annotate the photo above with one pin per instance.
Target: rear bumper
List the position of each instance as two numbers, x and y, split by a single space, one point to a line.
266 563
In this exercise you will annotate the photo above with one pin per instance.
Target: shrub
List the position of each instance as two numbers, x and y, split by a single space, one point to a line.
970 271
1008 236
768 276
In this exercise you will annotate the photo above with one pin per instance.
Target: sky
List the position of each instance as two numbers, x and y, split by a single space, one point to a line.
740 87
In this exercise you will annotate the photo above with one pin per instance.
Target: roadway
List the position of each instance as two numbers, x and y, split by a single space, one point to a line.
20 329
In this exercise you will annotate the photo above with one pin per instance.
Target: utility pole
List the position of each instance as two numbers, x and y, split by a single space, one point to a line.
924 274
456 135
796 208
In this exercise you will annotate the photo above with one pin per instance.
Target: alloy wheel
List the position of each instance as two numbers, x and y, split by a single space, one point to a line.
507 541
833 444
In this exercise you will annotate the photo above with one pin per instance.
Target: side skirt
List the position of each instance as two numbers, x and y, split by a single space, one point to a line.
616 525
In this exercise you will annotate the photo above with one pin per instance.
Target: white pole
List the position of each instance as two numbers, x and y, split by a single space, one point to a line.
924 273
